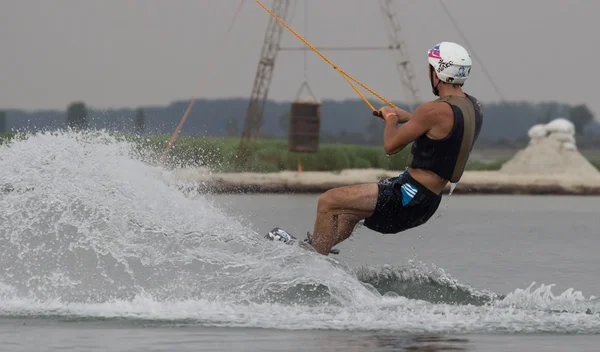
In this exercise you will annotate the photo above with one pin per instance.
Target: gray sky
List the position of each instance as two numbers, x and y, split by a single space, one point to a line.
117 53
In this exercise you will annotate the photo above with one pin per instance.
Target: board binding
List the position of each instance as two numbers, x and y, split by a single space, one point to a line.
278 234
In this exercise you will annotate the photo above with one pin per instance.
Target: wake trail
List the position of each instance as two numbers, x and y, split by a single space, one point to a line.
90 229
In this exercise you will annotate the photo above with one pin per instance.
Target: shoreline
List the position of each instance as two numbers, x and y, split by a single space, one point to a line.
311 182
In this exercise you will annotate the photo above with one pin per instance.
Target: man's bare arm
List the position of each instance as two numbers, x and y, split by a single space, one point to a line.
403 115
397 138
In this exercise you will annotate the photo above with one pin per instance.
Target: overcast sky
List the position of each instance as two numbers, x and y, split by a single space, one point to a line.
125 53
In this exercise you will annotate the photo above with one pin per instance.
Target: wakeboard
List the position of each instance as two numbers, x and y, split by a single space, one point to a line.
278 234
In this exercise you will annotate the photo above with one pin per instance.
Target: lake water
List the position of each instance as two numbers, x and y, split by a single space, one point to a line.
102 252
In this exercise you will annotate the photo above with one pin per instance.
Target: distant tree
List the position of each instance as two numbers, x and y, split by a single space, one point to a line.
3 122
548 113
140 120
77 116
284 122
580 115
375 131
231 126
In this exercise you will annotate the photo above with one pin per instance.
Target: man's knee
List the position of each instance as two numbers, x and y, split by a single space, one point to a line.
326 201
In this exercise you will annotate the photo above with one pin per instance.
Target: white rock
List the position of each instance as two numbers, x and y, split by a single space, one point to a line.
564 137
537 131
548 156
560 125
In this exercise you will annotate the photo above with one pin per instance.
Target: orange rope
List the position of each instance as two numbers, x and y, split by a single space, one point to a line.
189 108
344 74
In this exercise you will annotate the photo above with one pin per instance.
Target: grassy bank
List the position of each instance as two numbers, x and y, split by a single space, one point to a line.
273 156
5 137
270 155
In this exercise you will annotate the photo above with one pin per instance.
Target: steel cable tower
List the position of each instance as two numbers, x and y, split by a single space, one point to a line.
266 65
264 74
403 64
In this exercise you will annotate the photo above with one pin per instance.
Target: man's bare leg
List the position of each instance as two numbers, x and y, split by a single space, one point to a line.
338 212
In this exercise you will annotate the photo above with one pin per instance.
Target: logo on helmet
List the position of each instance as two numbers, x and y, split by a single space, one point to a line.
461 72
443 65
435 52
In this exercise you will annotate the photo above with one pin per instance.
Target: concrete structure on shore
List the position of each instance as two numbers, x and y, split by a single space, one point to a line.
551 151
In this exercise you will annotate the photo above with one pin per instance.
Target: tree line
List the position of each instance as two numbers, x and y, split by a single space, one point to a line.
77 117
347 121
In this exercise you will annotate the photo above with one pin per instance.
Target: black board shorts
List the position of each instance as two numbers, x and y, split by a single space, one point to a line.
402 203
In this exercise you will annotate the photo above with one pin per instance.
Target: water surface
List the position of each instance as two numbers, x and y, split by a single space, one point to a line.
101 251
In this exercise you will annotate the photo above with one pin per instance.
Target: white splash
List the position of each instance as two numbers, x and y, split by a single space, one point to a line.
89 231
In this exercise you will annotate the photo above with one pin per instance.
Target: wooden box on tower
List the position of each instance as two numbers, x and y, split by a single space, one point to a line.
305 126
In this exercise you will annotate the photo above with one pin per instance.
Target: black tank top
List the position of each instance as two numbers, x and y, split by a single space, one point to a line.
448 157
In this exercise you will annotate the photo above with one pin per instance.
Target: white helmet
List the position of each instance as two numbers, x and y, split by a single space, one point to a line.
451 62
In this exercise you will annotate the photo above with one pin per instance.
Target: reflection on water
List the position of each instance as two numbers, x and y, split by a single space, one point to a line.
417 343
437 343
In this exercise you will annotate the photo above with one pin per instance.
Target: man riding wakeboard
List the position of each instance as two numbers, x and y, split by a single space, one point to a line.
442 133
